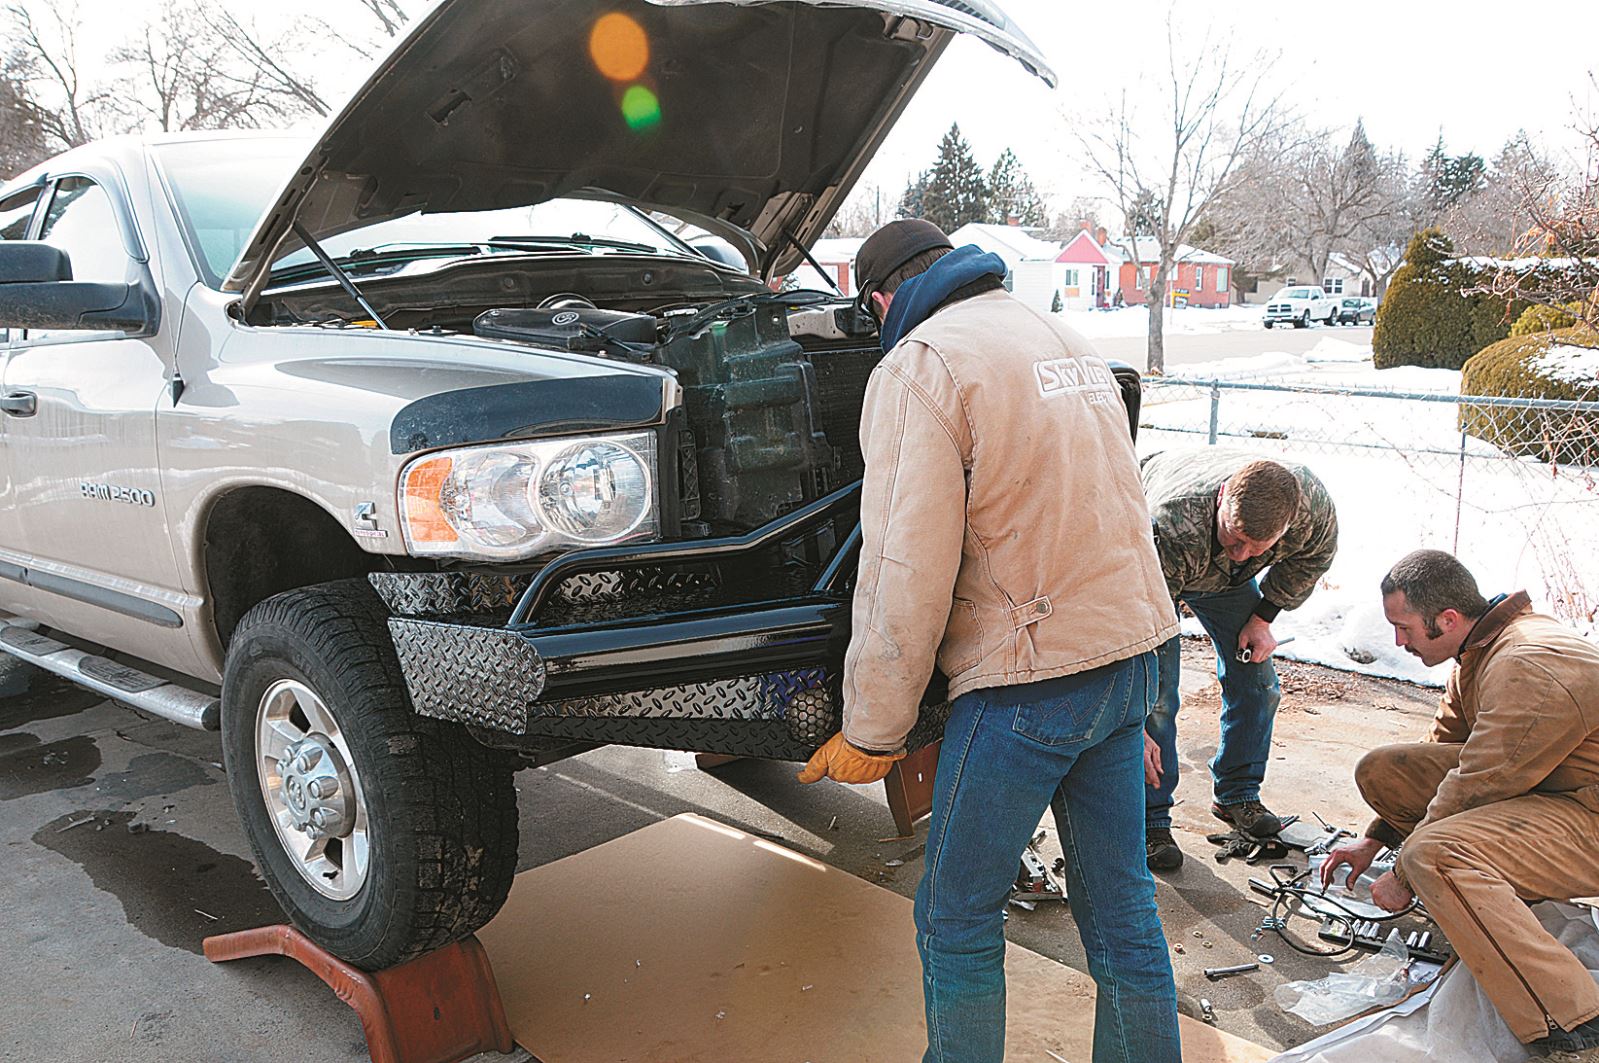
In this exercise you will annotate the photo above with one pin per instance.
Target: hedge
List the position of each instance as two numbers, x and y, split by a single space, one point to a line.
1425 320
1517 367
1540 319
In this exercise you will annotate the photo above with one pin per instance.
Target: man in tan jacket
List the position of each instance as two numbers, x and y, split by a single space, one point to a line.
1005 536
1501 805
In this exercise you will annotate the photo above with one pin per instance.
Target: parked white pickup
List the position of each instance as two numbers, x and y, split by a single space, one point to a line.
1300 305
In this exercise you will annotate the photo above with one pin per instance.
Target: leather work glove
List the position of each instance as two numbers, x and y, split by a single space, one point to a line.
839 760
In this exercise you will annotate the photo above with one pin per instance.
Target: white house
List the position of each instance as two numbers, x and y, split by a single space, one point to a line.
1034 276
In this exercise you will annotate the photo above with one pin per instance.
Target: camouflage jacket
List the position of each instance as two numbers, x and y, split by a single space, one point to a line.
1181 487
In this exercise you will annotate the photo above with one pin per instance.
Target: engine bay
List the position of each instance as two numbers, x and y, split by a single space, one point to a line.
773 382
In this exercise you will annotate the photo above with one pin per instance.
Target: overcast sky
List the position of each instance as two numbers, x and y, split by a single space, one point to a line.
1409 68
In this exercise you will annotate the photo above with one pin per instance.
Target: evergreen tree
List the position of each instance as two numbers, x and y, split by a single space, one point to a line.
956 191
912 202
1011 193
1447 179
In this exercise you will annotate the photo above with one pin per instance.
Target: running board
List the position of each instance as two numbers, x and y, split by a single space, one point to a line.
148 693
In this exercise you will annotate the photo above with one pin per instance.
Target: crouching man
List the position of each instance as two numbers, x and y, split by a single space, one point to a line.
1221 517
1501 805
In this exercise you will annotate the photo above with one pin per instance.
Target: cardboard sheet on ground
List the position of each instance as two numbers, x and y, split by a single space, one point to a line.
1454 1019
691 942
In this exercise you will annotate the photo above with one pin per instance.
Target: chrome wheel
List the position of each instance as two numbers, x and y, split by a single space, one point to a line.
311 789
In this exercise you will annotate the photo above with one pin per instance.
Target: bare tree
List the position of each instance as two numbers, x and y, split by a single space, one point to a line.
1562 234
389 14
267 57
1166 171
862 213
187 75
71 109
22 141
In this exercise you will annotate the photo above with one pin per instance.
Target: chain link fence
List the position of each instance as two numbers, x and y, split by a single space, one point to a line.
1511 485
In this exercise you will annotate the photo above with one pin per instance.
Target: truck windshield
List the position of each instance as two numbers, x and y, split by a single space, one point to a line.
222 187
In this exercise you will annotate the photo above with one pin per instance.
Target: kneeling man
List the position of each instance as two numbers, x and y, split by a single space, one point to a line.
1501 805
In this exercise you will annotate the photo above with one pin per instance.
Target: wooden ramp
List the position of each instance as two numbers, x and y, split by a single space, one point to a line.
691 942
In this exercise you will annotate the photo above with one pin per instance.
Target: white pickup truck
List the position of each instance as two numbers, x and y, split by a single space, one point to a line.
1300 305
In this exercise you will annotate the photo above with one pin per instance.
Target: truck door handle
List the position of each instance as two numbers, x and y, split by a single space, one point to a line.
20 404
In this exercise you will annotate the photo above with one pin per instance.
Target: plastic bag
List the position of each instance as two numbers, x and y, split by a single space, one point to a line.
1377 981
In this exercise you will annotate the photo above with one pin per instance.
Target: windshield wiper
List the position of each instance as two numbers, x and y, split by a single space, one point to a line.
583 239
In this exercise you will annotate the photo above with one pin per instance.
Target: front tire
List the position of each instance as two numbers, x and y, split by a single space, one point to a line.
383 834
1303 320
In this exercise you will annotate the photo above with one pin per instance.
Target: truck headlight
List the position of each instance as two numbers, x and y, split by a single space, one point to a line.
517 500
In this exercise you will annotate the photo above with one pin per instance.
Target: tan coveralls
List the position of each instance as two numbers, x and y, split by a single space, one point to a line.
1501 807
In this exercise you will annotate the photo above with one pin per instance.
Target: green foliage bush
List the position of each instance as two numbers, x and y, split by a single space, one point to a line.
1512 367
1425 320
1536 320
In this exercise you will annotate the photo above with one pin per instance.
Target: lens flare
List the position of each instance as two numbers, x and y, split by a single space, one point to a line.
641 109
619 47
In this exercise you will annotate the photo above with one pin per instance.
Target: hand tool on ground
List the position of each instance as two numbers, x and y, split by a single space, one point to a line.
1287 890
1216 974
1371 935
1247 654
1207 1012
1252 849
1033 880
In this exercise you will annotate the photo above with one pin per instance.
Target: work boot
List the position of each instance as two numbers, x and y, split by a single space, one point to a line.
1568 1044
1160 849
1251 817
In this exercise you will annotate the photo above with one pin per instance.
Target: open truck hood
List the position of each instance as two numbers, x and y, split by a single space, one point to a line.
751 119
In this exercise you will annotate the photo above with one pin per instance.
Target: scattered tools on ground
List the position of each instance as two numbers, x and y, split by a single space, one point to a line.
1371 935
1252 850
1350 930
1207 1012
1034 881
1216 974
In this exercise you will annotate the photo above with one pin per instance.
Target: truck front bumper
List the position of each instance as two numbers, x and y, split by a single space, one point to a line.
731 646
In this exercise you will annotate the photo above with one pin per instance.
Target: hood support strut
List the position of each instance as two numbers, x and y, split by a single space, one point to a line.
338 274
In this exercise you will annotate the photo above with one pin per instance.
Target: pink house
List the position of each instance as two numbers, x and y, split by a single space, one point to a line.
1083 272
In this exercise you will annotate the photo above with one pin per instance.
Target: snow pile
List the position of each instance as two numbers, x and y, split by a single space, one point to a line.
1568 364
1395 469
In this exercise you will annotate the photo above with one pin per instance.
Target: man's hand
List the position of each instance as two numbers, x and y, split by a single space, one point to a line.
1389 894
1358 855
1151 761
839 760
1257 640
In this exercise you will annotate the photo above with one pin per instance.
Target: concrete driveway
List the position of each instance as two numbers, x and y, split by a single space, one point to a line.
121 853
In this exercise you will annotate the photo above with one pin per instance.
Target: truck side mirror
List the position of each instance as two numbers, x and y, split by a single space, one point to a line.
37 292
1131 385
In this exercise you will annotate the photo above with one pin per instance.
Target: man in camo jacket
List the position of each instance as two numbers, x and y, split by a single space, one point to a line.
1221 517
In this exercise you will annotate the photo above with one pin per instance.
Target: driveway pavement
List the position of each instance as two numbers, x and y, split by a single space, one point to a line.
121 853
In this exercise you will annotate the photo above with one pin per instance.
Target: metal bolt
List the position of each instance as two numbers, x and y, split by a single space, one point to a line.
319 817
326 786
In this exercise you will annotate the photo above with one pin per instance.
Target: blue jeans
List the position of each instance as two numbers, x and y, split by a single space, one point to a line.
1249 697
1074 744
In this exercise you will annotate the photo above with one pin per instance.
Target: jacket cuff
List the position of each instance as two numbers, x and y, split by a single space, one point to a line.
1380 830
1266 610
877 752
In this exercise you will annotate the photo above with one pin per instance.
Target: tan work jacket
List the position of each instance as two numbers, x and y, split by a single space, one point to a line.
1004 528
1524 698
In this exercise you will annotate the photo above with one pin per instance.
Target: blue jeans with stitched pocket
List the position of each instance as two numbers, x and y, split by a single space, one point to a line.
1073 744
1250 694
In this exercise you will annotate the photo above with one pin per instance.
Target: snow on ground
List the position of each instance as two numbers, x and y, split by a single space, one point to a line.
1396 468
1180 321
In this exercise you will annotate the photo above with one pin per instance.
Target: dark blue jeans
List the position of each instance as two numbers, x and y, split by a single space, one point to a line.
1074 744
1249 697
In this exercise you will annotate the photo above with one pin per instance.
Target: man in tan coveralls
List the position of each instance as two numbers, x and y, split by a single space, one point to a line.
1501 805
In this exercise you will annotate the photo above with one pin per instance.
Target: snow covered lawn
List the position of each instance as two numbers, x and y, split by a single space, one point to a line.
1395 469
1187 321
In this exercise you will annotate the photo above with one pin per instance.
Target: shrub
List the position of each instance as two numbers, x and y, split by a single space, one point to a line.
1425 320
1563 364
1536 320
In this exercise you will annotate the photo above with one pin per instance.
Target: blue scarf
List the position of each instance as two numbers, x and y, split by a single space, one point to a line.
919 297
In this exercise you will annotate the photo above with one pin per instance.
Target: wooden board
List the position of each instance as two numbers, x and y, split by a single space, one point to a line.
691 942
